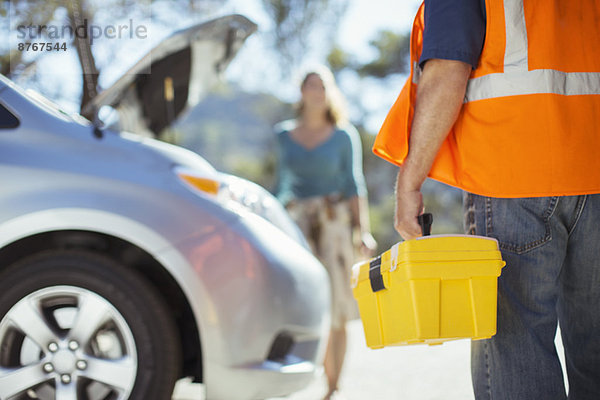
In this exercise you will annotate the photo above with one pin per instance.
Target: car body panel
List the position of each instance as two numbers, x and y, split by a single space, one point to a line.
245 280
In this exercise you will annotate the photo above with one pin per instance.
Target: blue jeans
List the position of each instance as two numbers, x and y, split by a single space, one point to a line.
551 246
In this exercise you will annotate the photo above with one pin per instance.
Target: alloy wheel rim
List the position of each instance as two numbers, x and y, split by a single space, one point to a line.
66 342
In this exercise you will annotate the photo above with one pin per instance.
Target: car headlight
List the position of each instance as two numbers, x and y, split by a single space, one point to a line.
236 193
194 180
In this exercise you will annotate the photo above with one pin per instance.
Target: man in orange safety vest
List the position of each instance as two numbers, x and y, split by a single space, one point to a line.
503 101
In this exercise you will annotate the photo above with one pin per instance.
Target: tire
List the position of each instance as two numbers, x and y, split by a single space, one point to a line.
79 326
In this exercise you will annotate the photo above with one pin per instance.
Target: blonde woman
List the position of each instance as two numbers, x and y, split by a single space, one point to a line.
321 183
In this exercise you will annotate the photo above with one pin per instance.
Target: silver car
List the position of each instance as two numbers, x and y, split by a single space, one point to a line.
127 263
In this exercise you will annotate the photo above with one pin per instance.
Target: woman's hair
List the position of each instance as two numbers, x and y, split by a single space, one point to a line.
336 111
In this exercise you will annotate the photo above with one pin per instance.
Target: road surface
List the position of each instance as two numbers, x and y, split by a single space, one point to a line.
417 372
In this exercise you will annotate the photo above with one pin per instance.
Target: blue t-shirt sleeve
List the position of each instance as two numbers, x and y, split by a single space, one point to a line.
454 30
281 188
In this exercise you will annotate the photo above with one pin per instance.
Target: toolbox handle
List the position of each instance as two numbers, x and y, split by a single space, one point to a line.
425 220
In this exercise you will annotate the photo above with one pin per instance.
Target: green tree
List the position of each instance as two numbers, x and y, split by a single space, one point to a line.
392 54
295 21
391 50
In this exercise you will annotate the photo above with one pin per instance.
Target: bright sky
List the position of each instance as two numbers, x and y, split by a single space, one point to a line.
363 19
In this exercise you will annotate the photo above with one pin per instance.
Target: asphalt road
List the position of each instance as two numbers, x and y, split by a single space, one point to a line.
417 372
411 372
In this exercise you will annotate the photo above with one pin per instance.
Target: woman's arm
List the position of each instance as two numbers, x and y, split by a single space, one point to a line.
359 209
359 205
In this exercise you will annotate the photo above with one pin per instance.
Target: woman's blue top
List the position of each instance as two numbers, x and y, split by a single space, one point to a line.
333 167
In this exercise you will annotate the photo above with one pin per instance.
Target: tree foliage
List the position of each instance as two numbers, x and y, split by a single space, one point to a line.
295 23
391 50
76 13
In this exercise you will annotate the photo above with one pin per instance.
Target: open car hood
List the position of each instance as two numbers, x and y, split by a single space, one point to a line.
174 75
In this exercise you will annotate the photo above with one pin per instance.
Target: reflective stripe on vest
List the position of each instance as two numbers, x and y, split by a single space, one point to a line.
517 79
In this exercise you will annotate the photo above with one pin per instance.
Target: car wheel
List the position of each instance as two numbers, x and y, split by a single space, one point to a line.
75 325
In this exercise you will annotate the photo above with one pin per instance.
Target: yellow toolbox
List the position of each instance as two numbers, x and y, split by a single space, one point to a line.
429 290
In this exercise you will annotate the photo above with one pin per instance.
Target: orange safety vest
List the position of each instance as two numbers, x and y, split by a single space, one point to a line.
530 122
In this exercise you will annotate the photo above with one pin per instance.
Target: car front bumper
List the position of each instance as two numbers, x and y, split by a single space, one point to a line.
261 302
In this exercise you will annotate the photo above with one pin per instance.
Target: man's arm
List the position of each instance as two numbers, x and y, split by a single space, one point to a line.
440 96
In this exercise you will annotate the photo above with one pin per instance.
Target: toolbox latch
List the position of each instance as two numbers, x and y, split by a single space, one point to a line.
375 275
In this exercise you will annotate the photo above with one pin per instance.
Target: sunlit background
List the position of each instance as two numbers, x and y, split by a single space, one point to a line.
365 43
